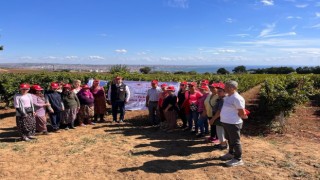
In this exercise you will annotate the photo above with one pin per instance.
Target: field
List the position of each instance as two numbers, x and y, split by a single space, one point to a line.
134 150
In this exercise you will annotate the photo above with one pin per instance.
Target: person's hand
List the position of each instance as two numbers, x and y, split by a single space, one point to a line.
211 121
51 111
47 104
244 117
126 101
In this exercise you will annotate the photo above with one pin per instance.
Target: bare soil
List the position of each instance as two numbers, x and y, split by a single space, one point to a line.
134 150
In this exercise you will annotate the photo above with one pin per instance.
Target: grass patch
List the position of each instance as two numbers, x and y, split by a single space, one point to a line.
74 150
301 174
19 148
3 145
88 141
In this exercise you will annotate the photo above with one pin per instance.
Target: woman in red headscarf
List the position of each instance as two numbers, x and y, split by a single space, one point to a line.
99 101
86 105
26 122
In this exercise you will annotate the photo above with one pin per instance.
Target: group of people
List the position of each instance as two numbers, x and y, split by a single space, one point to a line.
218 104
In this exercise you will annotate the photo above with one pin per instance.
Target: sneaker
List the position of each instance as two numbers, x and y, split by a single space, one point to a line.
115 121
220 147
92 123
45 133
67 128
25 139
121 121
226 157
31 137
234 162
72 127
82 125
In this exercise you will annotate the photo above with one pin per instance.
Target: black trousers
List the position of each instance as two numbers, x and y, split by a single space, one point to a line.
232 133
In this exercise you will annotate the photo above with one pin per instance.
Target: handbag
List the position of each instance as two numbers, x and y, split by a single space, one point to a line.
193 106
28 110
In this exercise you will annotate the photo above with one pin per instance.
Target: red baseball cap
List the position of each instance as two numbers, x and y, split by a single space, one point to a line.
184 82
192 84
171 88
216 85
37 87
54 85
24 86
118 77
85 86
154 82
221 85
206 82
204 87
96 80
164 85
67 86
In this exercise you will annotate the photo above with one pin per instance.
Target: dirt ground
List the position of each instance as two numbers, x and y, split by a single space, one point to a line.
134 150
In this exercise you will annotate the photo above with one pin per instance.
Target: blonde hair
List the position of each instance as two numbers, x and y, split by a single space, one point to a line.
76 81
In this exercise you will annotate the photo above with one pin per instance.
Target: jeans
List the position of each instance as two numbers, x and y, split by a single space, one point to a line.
118 105
203 124
232 133
55 119
153 112
193 117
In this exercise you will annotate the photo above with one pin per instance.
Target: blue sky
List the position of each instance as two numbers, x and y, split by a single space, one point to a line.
190 32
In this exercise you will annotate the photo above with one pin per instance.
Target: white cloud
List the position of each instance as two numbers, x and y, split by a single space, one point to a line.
96 57
302 5
294 17
317 4
317 14
26 57
71 57
141 53
103 35
51 57
227 51
267 2
230 20
317 26
282 34
184 4
241 35
121 51
267 30
281 42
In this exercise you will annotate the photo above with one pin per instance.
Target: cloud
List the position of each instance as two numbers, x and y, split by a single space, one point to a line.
282 34
317 14
230 20
103 35
96 58
226 51
281 42
267 2
294 17
26 57
141 53
71 57
267 30
184 4
302 5
51 57
317 26
240 35
121 51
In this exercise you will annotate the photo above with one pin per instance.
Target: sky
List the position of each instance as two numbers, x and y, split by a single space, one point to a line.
171 32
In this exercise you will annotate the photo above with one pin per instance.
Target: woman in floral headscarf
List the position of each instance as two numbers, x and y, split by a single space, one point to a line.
86 106
99 101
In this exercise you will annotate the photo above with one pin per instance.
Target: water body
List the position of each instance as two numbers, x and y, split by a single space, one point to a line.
208 68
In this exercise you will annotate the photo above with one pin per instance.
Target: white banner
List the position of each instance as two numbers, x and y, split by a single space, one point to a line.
138 91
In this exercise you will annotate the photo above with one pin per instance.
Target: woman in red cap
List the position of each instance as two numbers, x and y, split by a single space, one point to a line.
86 111
192 96
54 98
99 101
203 119
181 99
25 120
40 105
170 108
162 96
71 105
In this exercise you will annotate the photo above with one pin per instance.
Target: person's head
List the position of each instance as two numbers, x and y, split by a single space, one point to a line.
204 82
66 88
204 89
36 89
96 83
118 80
24 88
85 87
76 83
192 86
221 90
231 87
171 89
54 86
154 83
183 85
164 87
213 88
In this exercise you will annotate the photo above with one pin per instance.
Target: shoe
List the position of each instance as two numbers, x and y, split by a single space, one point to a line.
102 121
31 137
67 128
92 123
115 121
25 139
72 127
226 157
200 135
121 121
45 133
220 147
55 130
82 125
234 162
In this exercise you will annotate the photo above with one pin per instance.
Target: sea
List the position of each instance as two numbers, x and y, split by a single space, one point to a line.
209 68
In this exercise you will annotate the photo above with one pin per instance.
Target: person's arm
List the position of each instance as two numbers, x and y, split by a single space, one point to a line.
168 107
109 95
77 99
147 99
216 116
128 94
242 114
35 102
240 105
16 103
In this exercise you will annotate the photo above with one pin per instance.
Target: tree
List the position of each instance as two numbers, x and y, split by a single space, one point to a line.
119 68
145 70
1 48
222 71
239 70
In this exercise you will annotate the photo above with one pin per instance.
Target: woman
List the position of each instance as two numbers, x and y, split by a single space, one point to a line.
25 120
203 119
181 99
76 86
215 120
170 109
71 104
209 104
40 105
54 98
86 111
192 96
162 96
99 101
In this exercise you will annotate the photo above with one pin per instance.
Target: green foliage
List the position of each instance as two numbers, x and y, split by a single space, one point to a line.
308 70
119 68
273 70
222 71
1 48
239 70
145 70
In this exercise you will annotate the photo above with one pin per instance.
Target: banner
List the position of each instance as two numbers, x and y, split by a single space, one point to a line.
138 92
